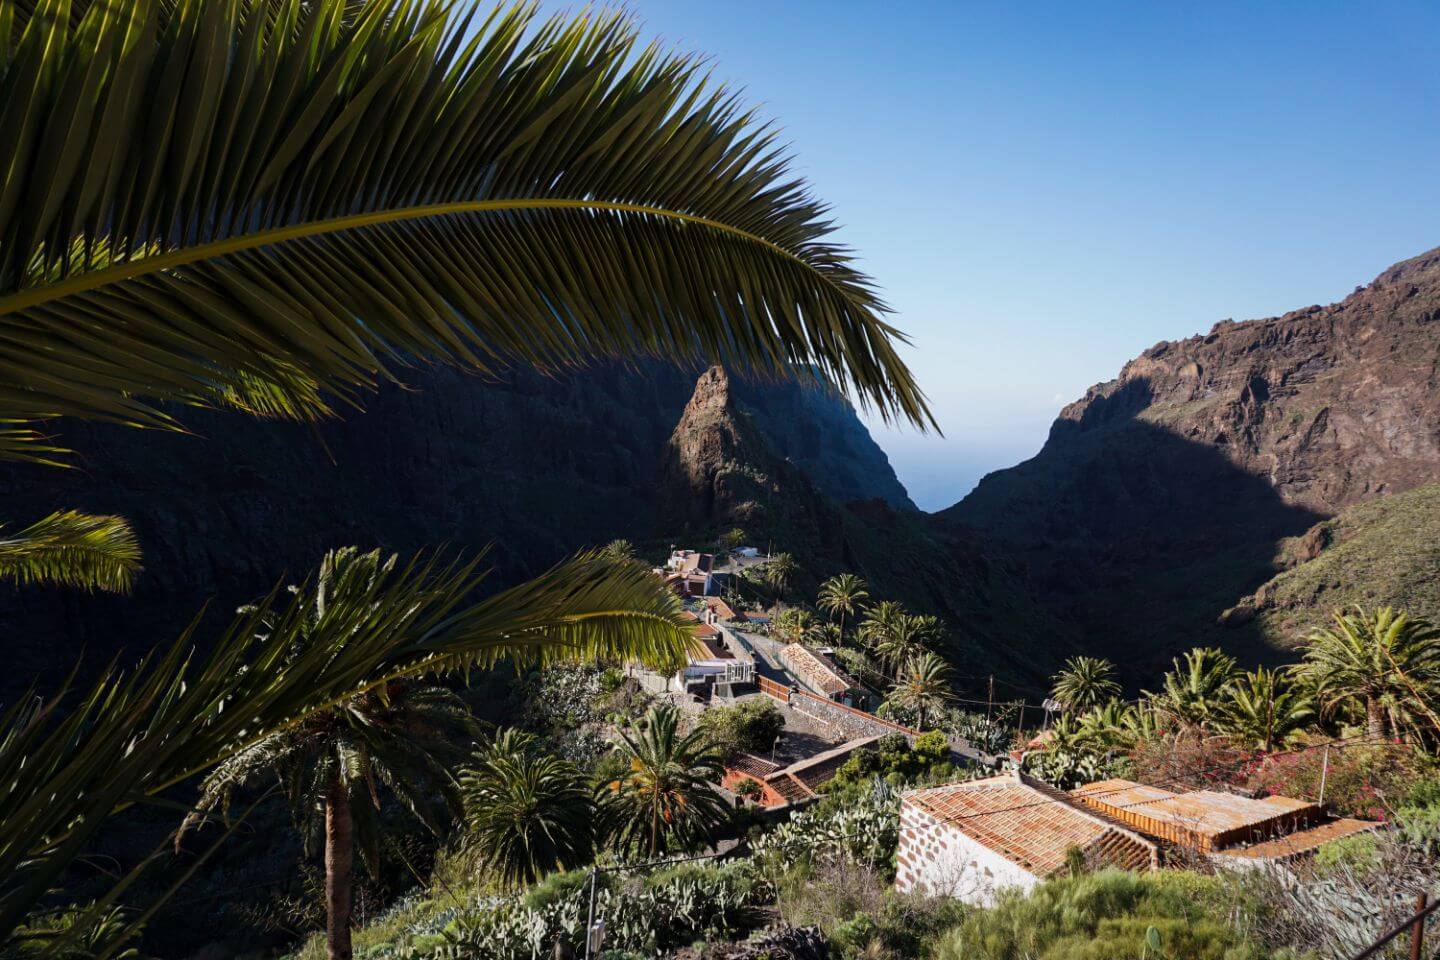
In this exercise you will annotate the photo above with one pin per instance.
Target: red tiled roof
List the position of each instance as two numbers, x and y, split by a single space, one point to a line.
788 787
1032 824
752 766
1303 841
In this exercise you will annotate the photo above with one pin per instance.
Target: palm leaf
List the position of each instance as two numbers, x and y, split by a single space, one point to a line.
330 193
135 733
73 549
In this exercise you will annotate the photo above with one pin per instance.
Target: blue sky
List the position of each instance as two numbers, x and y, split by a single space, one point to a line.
1043 190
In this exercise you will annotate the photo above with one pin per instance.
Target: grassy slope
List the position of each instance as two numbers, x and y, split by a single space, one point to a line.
1382 552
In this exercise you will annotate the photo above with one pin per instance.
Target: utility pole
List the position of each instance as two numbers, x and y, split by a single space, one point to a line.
990 698
1417 932
1324 772
590 923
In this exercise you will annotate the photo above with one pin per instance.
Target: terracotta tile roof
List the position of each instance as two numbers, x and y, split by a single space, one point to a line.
788 787
1032 824
1204 819
813 670
722 609
752 766
820 769
1302 842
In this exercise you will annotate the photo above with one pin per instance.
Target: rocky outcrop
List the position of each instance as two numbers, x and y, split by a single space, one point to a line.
722 470
1159 498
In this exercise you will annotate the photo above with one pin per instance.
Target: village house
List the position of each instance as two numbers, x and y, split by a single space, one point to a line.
719 666
690 573
799 782
972 839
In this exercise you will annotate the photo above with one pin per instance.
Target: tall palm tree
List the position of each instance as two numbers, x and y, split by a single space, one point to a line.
923 686
1193 690
73 550
666 799
1085 682
880 621
527 813
181 712
331 766
1382 661
908 637
1264 710
841 596
779 571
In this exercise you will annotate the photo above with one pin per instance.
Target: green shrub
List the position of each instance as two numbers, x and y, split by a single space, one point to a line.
1104 916
750 726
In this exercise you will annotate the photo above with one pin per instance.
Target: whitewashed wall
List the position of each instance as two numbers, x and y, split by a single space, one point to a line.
935 857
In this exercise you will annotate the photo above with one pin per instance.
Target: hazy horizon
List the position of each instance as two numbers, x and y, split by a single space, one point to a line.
1043 191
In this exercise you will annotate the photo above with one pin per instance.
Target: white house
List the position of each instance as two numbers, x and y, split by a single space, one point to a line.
972 839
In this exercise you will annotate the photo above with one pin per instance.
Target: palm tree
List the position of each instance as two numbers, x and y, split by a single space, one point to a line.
74 550
1381 660
880 622
907 638
1194 690
794 624
1263 710
841 596
1104 724
619 551
666 799
779 570
527 813
270 249
180 713
923 686
1085 682
332 764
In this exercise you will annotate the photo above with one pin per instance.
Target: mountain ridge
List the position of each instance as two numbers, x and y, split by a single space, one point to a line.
1159 498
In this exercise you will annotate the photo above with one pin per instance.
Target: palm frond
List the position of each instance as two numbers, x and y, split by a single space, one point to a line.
75 550
177 714
333 192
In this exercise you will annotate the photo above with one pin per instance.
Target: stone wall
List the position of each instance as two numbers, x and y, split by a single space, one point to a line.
854 723
937 858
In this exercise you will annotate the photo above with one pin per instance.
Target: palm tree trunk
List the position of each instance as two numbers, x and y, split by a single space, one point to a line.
339 856
1374 718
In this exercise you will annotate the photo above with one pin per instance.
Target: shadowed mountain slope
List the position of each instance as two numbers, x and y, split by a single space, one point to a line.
1160 497
540 467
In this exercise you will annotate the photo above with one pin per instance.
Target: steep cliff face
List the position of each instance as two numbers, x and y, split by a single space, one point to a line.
1160 497
723 468
539 467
